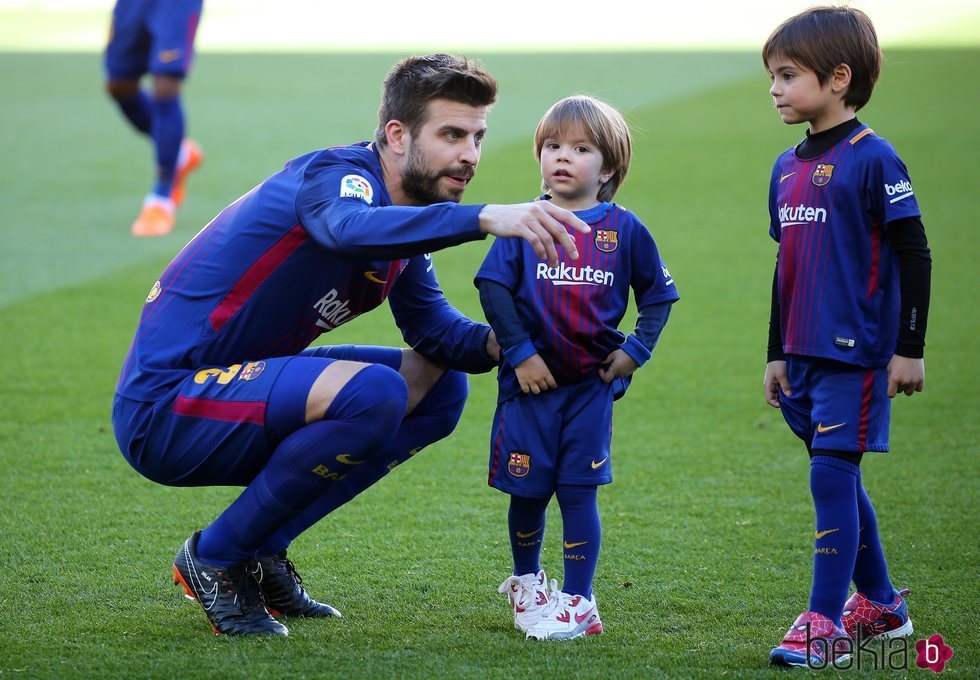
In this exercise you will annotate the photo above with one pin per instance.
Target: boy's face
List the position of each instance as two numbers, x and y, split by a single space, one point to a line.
800 98
571 166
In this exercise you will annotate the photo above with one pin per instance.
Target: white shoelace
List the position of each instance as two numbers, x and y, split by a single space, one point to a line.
526 589
557 600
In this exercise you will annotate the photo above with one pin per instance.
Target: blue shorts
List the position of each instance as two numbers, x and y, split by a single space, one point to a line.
219 425
155 36
837 406
561 436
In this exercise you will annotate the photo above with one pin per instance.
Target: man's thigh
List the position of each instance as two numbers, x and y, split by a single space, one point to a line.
173 25
220 425
419 373
127 53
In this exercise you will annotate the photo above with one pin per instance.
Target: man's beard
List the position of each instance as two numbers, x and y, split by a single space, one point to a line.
422 185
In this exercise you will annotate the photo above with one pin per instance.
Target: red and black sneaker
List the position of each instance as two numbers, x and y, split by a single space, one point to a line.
875 619
282 589
229 595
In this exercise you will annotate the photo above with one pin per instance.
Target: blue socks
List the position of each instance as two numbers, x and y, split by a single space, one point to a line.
137 111
833 484
163 121
581 539
167 130
363 417
870 569
582 536
433 419
525 524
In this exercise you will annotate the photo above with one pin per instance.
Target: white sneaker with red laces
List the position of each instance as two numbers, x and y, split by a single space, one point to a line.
528 595
566 617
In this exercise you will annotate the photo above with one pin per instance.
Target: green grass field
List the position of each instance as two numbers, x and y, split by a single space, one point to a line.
707 549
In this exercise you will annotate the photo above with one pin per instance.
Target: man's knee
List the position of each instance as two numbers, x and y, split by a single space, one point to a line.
375 398
122 89
443 405
166 87
421 375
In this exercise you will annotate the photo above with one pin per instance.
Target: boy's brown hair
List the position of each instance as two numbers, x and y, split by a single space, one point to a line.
412 83
604 124
822 38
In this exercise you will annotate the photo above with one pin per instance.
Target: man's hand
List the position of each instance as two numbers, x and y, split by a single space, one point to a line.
906 375
618 364
776 379
541 223
534 376
493 347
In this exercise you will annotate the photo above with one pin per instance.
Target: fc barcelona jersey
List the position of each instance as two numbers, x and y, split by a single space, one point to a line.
572 311
838 286
304 252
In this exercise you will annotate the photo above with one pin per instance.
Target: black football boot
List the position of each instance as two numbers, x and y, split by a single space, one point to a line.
229 595
282 589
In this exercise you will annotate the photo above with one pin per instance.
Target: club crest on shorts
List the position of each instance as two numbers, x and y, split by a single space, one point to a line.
606 240
252 370
355 186
519 464
821 176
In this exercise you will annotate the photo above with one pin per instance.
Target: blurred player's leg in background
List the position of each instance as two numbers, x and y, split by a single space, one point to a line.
156 38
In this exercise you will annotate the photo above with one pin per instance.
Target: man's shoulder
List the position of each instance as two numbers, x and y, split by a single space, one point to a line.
355 168
361 155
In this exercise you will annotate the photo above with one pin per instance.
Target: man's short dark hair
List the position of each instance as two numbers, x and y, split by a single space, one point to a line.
414 82
822 38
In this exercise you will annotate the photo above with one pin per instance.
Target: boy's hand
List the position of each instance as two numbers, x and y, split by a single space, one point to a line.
618 364
906 375
534 376
776 379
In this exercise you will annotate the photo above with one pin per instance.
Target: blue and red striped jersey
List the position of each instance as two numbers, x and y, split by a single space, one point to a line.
838 278
297 256
572 311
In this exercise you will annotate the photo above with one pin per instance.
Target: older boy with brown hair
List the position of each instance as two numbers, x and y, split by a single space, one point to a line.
849 304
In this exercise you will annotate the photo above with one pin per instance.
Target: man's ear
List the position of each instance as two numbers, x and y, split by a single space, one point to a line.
840 79
398 136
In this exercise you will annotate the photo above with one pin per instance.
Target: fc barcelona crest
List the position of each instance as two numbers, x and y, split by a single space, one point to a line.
606 240
252 370
519 464
823 173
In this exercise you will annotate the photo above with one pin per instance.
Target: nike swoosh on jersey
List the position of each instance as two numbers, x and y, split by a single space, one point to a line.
786 176
569 546
346 460
820 534
596 466
370 276
521 534
821 429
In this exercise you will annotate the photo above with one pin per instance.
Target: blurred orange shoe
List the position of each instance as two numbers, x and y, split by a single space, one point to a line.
156 218
190 159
